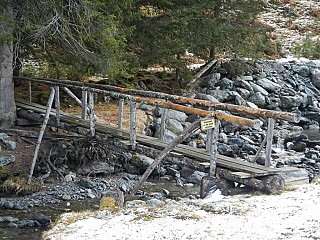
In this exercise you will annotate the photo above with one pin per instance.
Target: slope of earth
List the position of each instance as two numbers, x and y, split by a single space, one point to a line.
292 21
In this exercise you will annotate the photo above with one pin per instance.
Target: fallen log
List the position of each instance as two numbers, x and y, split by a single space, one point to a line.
269 184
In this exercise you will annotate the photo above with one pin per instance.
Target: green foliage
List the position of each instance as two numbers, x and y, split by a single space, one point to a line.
309 48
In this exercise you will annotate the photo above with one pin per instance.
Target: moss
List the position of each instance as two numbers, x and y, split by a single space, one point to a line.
20 186
109 203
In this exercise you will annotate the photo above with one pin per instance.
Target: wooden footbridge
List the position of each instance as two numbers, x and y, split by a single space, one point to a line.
252 174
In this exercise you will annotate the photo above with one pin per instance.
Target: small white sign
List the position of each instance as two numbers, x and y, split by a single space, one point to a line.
208 124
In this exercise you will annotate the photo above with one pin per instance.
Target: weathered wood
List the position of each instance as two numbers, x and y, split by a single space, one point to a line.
214 151
186 132
91 114
30 90
202 71
209 137
84 104
43 127
269 184
120 113
270 130
163 123
174 98
133 125
260 149
57 105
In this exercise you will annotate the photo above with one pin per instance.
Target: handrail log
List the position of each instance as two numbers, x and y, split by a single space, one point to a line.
177 99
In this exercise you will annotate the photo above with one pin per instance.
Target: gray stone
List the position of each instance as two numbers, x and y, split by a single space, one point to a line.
299 146
244 93
28 223
303 71
101 168
11 145
155 203
251 149
225 150
246 85
261 160
143 162
145 107
8 219
117 195
210 80
6 160
252 105
206 97
268 85
42 219
177 115
192 118
315 77
220 95
3 136
174 126
279 68
257 88
288 102
246 78
196 177
225 84
87 183
258 99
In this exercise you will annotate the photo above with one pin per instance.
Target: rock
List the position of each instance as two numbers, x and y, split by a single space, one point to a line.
251 149
246 85
268 85
3 136
10 145
257 88
196 177
303 71
192 118
177 115
142 162
299 146
312 115
70 177
315 77
244 93
225 150
218 94
252 105
42 219
174 126
8 219
225 84
287 102
210 80
261 160
116 195
185 172
101 168
258 99
206 97
155 203
87 183
145 107
6 159
279 68
28 223
168 135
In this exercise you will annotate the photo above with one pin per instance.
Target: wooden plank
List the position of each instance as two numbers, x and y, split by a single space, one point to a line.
271 123
197 154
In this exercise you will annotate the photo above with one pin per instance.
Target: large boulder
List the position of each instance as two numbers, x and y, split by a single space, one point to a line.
210 80
287 102
315 77
174 126
177 115
258 99
268 85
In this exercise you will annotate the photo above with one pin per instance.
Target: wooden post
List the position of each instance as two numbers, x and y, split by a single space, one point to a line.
91 113
260 149
133 133
120 113
209 140
57 103
43 127
163 123
271 123
30 91
214 150
84 104
185 133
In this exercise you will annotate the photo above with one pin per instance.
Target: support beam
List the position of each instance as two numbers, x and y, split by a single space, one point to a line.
214 151
186 133
30 91
120 113
57 105
84 103
43 128
91 113
209 140
133 125
271 123
163 123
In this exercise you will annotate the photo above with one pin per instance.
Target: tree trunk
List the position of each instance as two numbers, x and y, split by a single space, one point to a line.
7 103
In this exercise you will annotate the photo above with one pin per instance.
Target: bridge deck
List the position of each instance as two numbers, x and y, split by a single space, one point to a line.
237 165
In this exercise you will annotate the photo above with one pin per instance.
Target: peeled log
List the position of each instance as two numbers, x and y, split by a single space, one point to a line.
269 184
292 117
